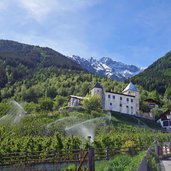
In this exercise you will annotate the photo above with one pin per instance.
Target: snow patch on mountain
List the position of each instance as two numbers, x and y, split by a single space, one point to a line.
108 67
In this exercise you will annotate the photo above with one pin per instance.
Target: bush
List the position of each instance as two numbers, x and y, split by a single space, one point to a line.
121 163
60 101
4 107
31 107
92 103
46 104
153 162
95 114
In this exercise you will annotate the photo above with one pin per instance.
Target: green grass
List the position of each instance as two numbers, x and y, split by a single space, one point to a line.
151 124
123 118
133 120
120 163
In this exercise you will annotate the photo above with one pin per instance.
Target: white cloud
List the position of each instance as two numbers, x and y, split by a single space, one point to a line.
39 9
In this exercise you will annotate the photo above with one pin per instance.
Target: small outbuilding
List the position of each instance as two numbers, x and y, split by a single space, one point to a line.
165 120
152 103
74 100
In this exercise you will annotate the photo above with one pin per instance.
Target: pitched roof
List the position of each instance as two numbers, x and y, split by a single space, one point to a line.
152 101
120 94
77 97
163 116
98 86
131 87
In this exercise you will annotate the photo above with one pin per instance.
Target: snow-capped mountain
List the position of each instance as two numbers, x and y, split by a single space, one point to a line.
108 67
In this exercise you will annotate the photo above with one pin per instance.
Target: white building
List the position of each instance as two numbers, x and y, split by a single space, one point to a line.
165 120
75 100
125 102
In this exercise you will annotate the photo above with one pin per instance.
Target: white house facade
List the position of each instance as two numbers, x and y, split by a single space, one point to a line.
75 100
165 120
125 102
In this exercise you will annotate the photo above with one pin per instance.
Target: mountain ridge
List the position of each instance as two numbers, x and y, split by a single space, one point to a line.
107 67
157 76
18 60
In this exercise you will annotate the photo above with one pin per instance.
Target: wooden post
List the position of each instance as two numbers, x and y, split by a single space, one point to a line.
91 159
160 151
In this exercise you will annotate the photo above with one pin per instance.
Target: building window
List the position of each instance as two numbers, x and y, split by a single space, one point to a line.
131 100
165 123
113 97
131 110
120 98
169 123
127 99
120 105
109 96
127 107
110 104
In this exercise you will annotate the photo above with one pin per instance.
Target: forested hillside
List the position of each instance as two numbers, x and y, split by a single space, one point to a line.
33 74
157 76
34 114
28 73
20 61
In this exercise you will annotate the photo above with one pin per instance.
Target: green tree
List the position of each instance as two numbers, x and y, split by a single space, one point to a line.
4 107
51 92
154 95
144 107
46 104
168 93
59 101
158 111
92 103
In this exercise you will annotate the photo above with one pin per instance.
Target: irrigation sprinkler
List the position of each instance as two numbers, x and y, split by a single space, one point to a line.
89 139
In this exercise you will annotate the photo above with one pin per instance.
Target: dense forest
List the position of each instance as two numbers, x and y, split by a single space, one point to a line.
35 85
32 74
20 61
157 76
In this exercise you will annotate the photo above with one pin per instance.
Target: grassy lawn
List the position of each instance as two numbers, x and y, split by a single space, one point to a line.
133 120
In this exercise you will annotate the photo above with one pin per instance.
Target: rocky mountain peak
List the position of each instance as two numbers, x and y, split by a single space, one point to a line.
107 67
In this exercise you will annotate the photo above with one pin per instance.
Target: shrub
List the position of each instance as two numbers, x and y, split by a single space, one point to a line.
46 104
92 103
153 162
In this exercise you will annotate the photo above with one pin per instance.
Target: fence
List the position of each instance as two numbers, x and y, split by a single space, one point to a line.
83 160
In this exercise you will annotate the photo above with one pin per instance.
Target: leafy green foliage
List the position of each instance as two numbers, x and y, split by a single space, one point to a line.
46 104
144 106
157 76
4 107
19 61
60 101
153 162
167 94
121 163
92 103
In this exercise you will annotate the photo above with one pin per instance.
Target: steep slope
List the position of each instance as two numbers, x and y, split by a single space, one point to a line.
18 61
108 68
157 76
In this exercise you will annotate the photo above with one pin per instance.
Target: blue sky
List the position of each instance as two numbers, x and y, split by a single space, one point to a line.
131 31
